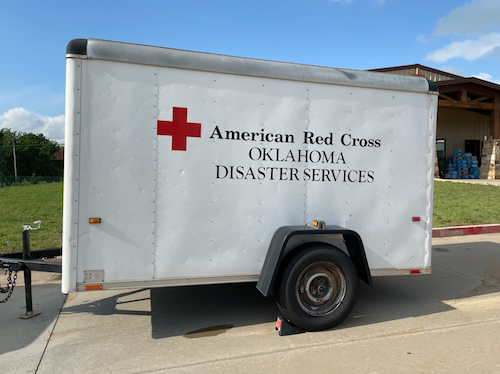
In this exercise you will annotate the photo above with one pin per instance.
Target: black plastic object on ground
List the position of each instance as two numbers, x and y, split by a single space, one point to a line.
287 328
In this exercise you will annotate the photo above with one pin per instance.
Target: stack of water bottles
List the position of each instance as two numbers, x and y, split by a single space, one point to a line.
462 166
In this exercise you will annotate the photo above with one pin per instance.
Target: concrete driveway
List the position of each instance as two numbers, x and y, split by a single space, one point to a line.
445 322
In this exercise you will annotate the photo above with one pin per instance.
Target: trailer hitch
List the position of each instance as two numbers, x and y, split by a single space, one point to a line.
14 262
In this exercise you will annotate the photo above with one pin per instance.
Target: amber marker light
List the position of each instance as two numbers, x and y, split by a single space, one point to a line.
320 225
93 287
94 220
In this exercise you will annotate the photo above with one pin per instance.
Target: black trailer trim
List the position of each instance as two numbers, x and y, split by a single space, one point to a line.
276 252
433 87
77 47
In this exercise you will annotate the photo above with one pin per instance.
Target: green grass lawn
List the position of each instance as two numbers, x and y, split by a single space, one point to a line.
458 204
23 205
455 204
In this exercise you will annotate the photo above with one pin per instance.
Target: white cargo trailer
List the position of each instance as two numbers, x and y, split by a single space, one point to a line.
186 168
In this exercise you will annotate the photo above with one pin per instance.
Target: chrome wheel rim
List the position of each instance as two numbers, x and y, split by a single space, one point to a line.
320 288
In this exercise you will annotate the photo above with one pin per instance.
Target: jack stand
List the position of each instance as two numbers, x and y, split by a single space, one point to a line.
287 328
27 275
29 315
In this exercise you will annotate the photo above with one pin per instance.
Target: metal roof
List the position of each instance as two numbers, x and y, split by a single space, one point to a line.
451 79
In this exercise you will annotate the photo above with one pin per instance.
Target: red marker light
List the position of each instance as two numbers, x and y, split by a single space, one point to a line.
414 271
416 219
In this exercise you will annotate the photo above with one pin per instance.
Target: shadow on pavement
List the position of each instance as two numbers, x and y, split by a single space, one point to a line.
108 306
458 271
17 333
179 311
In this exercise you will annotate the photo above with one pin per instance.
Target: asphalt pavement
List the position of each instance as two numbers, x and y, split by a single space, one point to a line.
445 322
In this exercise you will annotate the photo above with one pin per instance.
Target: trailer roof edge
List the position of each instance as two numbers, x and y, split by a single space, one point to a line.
216 63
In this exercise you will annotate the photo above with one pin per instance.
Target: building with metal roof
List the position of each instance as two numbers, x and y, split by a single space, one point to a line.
468 109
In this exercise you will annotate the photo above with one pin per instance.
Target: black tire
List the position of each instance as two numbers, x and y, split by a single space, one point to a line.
318 288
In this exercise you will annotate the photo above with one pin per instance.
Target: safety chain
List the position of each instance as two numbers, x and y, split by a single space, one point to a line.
10 286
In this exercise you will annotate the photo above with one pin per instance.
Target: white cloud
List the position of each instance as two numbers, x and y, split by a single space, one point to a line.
468 49
473 18
487 77
20 119
41 99
422 39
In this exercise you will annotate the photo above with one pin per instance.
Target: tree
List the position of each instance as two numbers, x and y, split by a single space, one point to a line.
34 154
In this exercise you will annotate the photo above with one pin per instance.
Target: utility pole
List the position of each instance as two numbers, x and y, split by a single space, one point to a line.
1 166
15 163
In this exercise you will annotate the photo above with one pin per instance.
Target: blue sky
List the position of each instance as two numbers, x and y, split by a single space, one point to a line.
462 37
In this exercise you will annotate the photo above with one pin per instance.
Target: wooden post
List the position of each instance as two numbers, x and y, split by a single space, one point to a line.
463 95
495 119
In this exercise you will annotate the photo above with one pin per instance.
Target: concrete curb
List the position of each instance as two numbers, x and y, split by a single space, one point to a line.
442 232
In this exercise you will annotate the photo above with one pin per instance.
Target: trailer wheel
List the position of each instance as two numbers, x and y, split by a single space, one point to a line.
318 288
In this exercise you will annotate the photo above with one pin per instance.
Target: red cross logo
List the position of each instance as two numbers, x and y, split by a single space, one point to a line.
179 128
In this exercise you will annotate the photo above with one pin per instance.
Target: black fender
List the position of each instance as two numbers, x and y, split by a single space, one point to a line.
276 252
